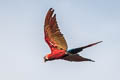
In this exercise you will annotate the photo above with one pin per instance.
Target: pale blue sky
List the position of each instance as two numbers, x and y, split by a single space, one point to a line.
22 45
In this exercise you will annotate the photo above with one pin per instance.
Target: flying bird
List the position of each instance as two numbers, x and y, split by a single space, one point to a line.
57 43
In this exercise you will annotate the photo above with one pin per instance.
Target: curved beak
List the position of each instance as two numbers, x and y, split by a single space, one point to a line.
45 59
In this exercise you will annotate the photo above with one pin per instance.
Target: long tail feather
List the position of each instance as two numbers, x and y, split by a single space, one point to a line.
91 45
76 50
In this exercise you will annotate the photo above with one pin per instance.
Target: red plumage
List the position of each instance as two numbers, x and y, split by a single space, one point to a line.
53 37
57 43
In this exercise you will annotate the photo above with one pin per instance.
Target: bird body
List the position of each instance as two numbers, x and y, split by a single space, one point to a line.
57 43
56 54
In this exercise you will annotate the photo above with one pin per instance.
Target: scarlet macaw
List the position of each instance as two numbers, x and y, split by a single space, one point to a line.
57 42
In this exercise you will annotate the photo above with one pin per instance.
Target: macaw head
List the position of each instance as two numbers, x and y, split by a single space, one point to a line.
48 57
45 58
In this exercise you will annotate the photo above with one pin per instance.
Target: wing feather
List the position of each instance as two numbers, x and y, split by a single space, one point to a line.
76 58
53 36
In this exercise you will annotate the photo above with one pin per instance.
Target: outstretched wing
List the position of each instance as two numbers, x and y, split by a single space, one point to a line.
53 36
76 58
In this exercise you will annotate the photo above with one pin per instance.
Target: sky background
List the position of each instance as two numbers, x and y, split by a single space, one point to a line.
22 45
